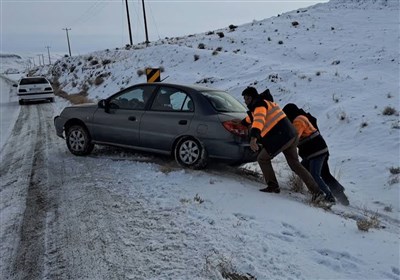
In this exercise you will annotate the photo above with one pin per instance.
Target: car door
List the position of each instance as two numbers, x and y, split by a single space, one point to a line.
170 115
119 122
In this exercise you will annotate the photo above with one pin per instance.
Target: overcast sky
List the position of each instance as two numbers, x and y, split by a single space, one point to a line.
32 25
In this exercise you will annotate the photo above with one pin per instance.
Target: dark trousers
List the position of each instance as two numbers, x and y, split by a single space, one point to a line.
314 166
328 178
290 152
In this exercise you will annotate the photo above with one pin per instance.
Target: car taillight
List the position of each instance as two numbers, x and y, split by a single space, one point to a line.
235 128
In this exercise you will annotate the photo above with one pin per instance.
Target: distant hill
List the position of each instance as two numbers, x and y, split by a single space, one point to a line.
11 63
14 56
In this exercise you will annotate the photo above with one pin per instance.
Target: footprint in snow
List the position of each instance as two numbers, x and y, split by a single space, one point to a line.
292 231
243 217
339 261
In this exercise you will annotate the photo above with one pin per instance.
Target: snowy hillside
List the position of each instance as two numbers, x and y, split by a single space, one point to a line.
11 63
338 60
124 216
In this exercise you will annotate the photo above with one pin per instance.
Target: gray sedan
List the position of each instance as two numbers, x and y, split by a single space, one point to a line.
192 123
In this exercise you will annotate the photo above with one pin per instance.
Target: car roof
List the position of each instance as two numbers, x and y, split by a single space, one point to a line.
34 77
187 86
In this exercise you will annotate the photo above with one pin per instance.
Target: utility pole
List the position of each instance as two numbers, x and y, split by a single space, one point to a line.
145 24
48 52
30 63
69 46
40 63
129 22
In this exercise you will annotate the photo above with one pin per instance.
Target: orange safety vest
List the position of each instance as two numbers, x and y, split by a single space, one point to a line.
311 143
265 119
303 126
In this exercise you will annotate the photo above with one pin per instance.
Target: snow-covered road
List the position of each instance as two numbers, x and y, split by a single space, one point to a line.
9 108
119 215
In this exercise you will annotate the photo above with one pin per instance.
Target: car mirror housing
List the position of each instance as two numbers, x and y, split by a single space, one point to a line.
102 104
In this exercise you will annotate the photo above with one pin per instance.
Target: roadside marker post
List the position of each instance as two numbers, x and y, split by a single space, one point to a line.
153 75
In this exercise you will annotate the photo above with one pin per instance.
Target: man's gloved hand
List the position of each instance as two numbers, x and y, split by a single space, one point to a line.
253 144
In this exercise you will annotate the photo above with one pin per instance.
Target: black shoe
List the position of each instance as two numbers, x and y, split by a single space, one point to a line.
330 199
342 198
271 189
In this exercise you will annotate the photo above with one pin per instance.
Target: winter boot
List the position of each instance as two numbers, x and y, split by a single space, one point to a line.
272 188
342 198
329 198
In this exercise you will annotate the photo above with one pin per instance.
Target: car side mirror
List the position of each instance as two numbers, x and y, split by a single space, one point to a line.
102 104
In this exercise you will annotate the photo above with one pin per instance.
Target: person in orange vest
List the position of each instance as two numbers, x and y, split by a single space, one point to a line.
270 127
314 153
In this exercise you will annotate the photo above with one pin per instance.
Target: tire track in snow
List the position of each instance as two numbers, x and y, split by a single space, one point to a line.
28 178
15 171
29 258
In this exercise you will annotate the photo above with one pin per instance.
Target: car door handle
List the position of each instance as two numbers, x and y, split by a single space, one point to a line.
132 118
183 122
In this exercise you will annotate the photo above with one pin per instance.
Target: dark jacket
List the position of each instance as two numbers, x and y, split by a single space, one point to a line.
278 136
311 144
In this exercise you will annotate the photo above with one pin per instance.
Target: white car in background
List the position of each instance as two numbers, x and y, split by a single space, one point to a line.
33 89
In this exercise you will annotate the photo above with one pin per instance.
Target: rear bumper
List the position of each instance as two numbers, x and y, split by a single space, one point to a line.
249 155
232 152
35 96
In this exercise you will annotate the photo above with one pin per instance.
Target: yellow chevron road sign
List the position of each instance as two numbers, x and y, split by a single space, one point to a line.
153 75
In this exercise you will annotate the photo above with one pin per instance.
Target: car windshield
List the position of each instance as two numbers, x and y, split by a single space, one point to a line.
224 102
33 81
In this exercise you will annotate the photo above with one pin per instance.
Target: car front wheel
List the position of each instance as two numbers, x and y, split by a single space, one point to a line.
79 141
190 153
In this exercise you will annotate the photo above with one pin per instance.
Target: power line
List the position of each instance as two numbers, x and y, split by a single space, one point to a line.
155 24
139 24
89 13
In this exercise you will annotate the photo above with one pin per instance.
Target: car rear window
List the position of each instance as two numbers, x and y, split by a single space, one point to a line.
224 102
33 81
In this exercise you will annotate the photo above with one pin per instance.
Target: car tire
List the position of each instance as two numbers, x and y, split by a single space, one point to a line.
20 102
79 141
51 100
189 152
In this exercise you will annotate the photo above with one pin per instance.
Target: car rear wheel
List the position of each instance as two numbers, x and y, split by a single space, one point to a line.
21 102
189 152
79 141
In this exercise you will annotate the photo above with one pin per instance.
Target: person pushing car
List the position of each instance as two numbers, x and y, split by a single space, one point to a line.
270 127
